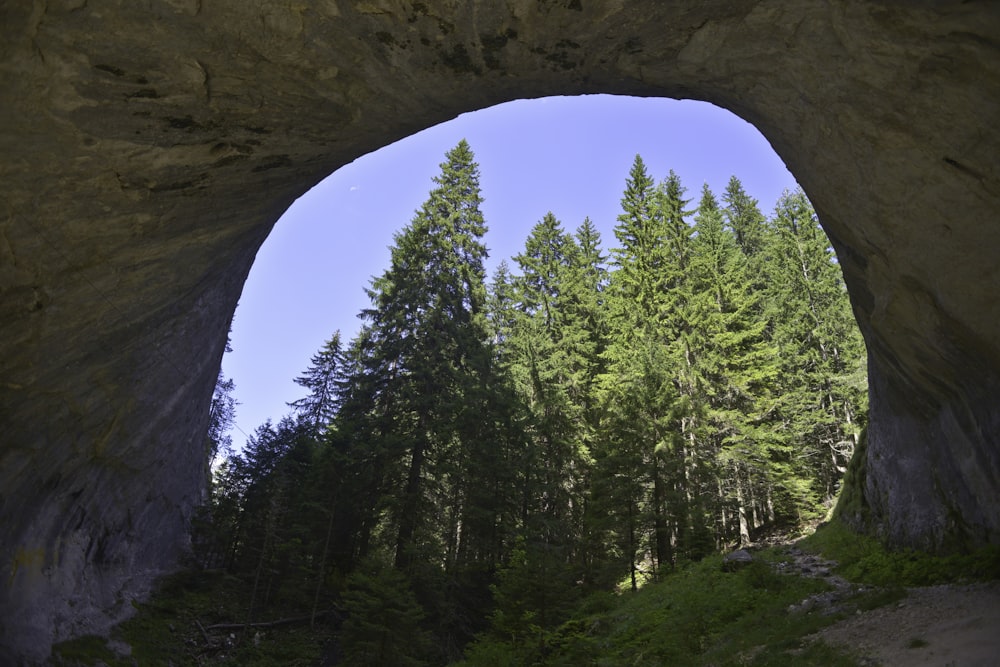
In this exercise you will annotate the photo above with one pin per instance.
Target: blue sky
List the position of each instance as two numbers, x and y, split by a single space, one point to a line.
568 155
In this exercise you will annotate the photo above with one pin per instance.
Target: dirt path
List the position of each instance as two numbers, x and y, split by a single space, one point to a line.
952 625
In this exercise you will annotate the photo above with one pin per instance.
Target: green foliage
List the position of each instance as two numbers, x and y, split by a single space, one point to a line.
221 417
534 593
865 560
431 363
701 615
879 597
164 630
294 647
383 625
820 396
318 407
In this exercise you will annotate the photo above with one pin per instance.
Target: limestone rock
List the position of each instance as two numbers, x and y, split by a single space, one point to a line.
147 148
736 560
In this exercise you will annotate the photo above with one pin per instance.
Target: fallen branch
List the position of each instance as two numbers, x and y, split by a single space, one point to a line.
203 632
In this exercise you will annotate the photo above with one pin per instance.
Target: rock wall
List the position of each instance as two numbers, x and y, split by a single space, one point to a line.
147 148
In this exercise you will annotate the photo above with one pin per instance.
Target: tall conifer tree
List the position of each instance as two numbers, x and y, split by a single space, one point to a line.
639 382
429 328
822 387
317 407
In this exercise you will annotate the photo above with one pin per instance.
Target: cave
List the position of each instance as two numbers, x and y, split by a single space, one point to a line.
149 148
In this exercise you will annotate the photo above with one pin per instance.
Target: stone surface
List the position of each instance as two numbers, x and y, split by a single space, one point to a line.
147 148
736 560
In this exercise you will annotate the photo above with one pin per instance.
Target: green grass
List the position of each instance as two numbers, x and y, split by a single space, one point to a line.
698 616
865 560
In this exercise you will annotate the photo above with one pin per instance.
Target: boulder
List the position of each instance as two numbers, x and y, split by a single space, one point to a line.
736 560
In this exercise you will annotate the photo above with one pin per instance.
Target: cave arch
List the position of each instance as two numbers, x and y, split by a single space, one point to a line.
147 150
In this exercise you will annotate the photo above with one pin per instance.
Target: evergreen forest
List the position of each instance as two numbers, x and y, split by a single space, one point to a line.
490 452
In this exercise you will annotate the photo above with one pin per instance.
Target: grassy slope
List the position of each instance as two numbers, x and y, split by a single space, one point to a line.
706 616
702 615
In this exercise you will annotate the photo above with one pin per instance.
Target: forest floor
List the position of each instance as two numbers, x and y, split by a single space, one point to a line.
947 625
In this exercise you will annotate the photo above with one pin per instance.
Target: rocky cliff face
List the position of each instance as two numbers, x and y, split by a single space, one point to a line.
147 148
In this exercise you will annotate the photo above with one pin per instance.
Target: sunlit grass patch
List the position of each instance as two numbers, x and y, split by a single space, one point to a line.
864 559
700 615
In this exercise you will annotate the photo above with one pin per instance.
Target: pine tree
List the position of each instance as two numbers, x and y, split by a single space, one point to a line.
221 418
640 259
430 333
361 454
317 408
639 382
533 594
551 372
383 625
735 366
501 311
440 418
744 218
261 527
586 318
822 388
584 303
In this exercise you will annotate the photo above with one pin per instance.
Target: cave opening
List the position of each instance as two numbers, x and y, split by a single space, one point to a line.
571 157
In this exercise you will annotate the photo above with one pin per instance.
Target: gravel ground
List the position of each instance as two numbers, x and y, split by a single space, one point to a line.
951 625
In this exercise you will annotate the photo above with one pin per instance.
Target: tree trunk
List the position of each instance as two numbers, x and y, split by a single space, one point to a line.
411 507
742 511
661 538
321 570
631 544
